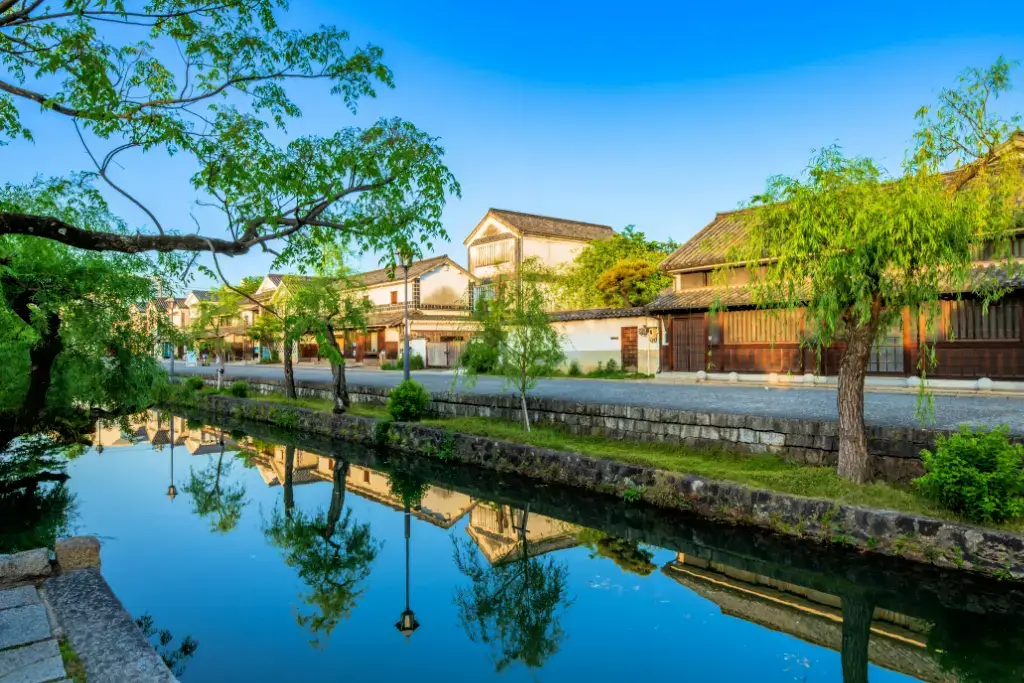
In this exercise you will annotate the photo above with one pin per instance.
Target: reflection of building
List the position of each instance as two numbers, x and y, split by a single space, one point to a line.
497 530
440 507
158 426
109 434
897 642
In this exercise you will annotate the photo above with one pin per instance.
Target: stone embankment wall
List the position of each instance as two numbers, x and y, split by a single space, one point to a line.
923 539
895 451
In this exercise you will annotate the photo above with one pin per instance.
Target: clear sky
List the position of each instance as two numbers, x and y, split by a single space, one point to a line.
657 114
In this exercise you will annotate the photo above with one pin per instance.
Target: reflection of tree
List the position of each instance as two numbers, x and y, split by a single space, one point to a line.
331 551
174 657
858 611
211 497
979 648
406 484
512 606
35 503
628 555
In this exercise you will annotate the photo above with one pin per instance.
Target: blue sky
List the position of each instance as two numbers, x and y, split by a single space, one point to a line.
658 114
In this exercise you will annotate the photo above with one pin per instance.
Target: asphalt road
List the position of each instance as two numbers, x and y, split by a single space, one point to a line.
881 408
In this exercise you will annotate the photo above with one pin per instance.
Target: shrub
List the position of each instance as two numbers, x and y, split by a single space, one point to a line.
978 474
416 362
408 401
195 383
612 366
479 357
574 369
239 389
161 390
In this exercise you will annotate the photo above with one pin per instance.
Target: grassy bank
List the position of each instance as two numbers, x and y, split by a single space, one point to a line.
763 471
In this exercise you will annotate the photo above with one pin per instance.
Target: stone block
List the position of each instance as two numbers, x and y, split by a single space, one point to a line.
772 438
79 552
33 663
747 436
24 566
22 625
709 433
18 597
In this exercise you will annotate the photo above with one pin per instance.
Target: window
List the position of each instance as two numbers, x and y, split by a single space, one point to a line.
492 254
964 321
394 297
761 327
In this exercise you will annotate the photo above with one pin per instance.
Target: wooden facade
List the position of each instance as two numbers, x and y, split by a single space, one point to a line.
969 342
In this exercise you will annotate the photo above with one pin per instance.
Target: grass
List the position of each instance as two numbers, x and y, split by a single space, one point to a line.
763 471
73 666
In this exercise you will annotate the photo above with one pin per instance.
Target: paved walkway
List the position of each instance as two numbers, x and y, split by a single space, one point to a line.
887 409
28 647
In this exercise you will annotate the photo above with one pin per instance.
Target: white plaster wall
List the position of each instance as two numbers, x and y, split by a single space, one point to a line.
590 341
551 252
443 287
381 295
392 334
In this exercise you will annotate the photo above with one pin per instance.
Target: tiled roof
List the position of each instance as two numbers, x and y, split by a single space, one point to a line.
276 278
180 301
383 276
702 299
598 314
709 246
532 224
202 294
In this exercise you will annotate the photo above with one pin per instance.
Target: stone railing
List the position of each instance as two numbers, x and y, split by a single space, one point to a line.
895 451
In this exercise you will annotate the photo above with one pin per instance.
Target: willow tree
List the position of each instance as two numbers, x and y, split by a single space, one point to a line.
851 246
209 82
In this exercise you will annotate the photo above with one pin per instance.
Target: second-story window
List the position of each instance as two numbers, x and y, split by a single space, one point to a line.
493 254
394 297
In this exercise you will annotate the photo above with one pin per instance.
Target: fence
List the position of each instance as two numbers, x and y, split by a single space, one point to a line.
444 354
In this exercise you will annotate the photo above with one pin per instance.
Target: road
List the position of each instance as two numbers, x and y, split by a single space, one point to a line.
881 408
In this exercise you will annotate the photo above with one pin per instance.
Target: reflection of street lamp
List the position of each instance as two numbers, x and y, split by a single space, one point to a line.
403 260
171 490
407 623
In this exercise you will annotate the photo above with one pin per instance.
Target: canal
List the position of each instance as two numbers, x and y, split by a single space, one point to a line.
290 558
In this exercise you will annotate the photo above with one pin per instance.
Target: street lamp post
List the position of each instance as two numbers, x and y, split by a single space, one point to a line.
403 260
407 622
171 490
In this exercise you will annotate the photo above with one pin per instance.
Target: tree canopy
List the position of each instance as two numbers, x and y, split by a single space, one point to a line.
630 282
209 81
851 245
578 283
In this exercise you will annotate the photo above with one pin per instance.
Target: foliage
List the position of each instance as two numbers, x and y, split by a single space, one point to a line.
70 341
239 389
513 606
174 657
850 246
977 473
35 504
408 402
528 345
195 383
212 497
381 430
628 555
405 482
574 368
415 363
479 356
630 282
332 553
209 81
612 366
978 647
578 285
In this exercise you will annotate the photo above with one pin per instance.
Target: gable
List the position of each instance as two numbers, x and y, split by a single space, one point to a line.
490 229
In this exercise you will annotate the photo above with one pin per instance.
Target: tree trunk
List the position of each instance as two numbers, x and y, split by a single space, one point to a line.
289 483
340 473
857 613
854 461
289 371
41 359
526 413
338 375
220 370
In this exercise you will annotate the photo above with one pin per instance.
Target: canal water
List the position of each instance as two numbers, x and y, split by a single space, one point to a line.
294 559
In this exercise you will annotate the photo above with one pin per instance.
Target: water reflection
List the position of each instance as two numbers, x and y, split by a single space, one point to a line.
516 544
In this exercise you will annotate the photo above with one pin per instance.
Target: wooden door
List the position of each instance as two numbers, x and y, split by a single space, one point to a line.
629 348
688 343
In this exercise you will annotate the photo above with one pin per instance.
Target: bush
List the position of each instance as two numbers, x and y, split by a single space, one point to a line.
161 390
574 369
978 474
479 357
195 383
612 366
416 362
408 401
239 389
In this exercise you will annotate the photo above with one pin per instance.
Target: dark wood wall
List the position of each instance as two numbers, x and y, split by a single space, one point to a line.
968 343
